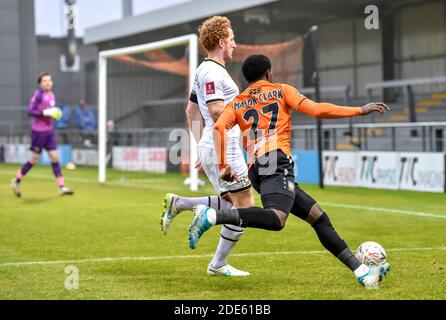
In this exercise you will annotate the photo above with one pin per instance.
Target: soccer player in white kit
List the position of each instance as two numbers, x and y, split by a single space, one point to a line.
212 90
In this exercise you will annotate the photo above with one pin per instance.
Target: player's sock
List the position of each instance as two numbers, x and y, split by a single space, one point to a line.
253 217
215 202
58 174
23 171
229 236
331 241
346 257
218 203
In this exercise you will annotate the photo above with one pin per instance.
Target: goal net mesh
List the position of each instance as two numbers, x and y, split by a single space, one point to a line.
146 98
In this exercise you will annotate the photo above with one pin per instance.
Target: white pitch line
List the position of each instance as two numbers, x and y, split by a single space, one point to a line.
125 184
86 207
328 204
157 258
406 212
45 177
335 205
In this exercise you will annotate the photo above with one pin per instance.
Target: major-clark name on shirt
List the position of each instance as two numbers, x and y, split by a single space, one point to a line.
261 97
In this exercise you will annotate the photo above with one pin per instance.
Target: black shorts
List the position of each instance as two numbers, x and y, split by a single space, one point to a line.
272 176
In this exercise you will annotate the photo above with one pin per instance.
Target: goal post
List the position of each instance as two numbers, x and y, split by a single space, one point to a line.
192 41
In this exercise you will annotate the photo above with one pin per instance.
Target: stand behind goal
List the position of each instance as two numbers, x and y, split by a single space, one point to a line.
143 91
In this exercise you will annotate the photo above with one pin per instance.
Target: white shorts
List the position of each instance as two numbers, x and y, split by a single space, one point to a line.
237 163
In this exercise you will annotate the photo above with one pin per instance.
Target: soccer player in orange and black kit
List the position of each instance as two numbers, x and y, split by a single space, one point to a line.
263 112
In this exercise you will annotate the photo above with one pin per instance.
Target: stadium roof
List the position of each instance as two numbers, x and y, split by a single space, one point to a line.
184 12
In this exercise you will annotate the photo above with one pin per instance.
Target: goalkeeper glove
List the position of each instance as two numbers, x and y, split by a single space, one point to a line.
54 113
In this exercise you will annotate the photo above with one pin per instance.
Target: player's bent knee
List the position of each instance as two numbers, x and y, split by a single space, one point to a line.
246 203
282 217
243 199
34 159
323 220
54 158
227 197
315 214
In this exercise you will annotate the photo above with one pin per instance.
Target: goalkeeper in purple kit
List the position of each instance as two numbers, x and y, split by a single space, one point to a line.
42 108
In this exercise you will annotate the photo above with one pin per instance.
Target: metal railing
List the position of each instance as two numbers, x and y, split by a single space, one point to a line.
344 90
408 85
141 137
429 137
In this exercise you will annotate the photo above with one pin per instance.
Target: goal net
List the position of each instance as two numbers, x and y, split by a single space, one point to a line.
143 91
142 94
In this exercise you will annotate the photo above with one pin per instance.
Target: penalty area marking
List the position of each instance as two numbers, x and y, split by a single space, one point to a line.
159 258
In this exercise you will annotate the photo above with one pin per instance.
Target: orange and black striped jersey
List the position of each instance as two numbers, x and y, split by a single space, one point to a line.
263 112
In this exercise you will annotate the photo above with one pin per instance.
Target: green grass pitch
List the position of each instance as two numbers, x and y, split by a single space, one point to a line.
42 233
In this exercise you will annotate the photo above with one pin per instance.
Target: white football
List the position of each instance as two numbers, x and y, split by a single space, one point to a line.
70 166
371 253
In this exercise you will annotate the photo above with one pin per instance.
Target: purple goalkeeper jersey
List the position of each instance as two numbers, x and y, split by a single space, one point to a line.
40 101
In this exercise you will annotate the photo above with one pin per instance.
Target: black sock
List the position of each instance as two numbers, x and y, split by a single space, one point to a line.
230 216
346 257
331 241
253 217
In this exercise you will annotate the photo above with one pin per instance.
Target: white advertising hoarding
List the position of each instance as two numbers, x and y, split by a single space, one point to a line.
386 170
17 153
377 170
339 168
85 157
140 159
422 171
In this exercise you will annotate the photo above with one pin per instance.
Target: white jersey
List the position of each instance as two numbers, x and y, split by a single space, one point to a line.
213 83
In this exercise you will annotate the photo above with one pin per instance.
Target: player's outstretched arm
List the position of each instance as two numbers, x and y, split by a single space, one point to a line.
324 110
371 107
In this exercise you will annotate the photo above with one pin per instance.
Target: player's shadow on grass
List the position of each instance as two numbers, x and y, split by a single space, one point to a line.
37 200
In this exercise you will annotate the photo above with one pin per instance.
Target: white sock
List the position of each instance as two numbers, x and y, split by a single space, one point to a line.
361 270
228 239
218 203
215 202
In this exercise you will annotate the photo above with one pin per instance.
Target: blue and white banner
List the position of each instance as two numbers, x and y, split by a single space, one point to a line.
65 155
19 153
